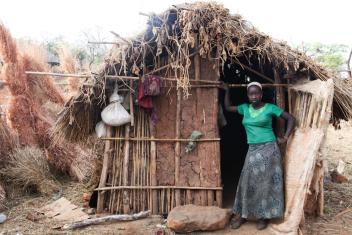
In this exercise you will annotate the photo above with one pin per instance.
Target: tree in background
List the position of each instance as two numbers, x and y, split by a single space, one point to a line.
335 57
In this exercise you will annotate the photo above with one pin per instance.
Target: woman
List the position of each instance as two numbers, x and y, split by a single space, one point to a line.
260 194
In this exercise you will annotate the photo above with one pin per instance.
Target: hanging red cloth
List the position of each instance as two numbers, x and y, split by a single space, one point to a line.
144 100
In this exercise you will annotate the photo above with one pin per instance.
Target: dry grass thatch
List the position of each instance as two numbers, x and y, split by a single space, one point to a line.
28 167
79 116
207 29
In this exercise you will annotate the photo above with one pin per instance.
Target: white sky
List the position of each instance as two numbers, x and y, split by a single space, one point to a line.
294 21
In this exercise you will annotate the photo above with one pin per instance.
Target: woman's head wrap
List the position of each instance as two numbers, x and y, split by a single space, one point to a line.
254 84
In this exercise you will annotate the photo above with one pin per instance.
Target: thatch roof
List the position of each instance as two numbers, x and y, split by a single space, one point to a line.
173 37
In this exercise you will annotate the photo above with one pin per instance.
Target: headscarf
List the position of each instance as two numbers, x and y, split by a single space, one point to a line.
254 84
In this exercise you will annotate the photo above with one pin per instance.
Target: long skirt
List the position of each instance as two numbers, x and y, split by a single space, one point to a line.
260 193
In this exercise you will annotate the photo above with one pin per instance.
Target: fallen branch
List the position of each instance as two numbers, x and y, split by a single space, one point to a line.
109 218
343 212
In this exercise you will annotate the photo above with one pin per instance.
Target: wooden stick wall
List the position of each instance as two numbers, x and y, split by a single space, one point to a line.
131 181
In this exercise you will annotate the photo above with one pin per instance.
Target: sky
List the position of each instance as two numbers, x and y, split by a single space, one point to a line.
293 21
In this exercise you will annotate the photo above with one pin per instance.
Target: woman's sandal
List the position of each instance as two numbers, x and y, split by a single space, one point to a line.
262 224
236 223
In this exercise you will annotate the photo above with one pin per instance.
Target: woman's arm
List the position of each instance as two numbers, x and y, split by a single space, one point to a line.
228 106
291 122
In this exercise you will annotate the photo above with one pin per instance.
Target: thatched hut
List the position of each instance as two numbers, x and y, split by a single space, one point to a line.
192 48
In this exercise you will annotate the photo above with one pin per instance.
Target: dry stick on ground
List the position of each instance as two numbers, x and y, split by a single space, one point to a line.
109 218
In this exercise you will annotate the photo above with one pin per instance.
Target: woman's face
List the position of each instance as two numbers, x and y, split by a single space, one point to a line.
255 94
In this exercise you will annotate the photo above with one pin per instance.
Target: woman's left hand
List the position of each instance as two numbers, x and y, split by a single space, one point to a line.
281 140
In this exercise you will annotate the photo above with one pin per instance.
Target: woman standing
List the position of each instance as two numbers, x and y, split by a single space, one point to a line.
260 194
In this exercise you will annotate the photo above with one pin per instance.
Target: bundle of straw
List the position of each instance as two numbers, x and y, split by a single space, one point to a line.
28 167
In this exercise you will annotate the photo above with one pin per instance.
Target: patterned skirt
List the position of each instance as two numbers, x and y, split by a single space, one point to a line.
260 193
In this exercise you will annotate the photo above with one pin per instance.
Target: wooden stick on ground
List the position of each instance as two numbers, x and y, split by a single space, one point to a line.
109 218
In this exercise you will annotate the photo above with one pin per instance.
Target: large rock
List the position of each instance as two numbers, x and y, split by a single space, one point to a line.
190 218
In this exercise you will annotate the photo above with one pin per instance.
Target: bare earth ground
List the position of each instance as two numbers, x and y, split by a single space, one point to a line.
338 198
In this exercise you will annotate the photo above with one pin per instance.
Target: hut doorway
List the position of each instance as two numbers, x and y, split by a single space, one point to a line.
233 144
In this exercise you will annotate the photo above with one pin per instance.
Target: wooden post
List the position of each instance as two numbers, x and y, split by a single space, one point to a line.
153 169
280 101
197 66
131 104
178 148
104 172
126 207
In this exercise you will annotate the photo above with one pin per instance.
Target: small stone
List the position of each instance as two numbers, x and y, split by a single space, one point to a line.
191 218
32 217
91 211
3 218
338 178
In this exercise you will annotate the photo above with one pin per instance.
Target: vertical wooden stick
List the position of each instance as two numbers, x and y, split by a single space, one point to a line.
216 146
153 168
280 101
197 75
126 207
104 172
189 196
178 147
131 104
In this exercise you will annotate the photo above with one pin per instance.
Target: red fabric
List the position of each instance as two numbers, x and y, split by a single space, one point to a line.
151 85
144 101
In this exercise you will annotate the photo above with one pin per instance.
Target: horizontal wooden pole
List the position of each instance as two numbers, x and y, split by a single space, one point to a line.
210 83
103 42
157 187
265 85
58 74
160 140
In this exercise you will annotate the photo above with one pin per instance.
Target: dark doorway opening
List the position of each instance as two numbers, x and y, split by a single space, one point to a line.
233 144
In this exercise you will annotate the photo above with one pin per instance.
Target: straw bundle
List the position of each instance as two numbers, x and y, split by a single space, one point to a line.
2 197
28 167
71 124
7 142
27 112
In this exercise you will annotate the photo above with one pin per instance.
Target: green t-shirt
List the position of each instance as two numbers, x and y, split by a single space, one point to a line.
258 122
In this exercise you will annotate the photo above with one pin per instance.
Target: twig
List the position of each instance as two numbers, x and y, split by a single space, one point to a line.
343 212
117 35
103 43
109 218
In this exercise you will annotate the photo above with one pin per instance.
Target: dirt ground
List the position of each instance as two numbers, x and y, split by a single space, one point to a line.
336 220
